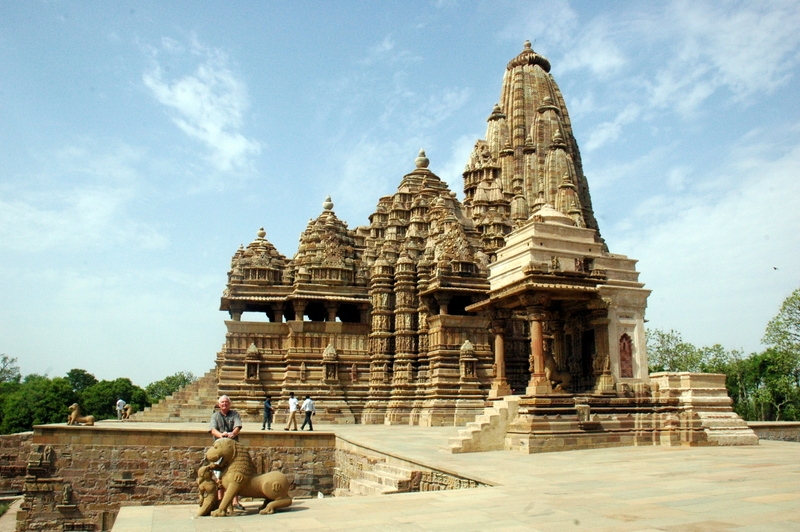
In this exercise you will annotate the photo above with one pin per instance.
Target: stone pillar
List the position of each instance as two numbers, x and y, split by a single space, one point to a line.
235 312
443 300
500 387
604 382
277 312
332 308
299 309
538 383
364 313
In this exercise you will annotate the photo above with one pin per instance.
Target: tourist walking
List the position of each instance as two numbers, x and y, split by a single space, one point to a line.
267 414
120 407
293 403
308 408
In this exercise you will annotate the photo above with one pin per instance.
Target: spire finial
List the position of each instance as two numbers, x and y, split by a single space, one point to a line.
422 161
327 204
528 45
261 233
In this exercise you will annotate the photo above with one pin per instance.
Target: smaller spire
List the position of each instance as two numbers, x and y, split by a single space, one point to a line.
422 161
497 113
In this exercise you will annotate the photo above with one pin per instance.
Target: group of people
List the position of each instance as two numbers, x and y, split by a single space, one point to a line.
227 423
307 407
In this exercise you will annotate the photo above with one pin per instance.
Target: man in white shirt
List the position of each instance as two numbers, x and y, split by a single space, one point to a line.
308 408
292 412
120 407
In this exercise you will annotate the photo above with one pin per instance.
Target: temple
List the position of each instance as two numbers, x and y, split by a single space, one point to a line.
441 311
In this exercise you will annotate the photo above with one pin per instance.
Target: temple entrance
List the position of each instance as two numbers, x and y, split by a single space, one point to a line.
518 352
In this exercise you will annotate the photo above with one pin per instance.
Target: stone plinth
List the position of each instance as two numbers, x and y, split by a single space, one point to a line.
705 395
104 467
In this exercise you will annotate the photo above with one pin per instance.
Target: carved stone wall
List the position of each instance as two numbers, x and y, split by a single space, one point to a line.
354 462
78 478
14 450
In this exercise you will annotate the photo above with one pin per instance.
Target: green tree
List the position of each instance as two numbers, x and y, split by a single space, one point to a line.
666 351
9 380
9 370
775 381
100 399
783 331
80 379
158 390
37 400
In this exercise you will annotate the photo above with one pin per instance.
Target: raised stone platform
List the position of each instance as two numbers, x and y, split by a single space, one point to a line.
750 488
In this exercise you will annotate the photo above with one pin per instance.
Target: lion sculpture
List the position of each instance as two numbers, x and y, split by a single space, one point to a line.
207 491
239 477
559 380
127 411
75 417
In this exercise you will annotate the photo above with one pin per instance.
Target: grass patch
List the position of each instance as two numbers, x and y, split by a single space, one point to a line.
4 506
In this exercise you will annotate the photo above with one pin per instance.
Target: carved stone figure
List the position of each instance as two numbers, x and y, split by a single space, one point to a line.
75 417
127 411
239 478
559 380
207 491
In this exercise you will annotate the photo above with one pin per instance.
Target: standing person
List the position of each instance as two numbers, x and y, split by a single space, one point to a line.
267 414
226 423
292 412
120 407
308 408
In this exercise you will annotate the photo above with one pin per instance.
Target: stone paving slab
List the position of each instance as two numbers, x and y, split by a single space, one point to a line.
752 488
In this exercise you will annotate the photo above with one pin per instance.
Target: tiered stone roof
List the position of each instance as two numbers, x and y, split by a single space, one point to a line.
529 150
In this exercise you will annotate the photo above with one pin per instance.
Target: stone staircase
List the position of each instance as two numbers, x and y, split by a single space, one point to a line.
727 428
381 479
192 403
488 431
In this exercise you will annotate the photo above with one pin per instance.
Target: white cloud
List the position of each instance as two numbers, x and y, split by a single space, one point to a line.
702 48
594 49
551 23
78 200
610 131
667 59
710 256
207 105
452 170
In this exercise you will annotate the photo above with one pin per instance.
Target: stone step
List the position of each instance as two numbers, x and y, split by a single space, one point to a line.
392 469
368 487
395 482
487 432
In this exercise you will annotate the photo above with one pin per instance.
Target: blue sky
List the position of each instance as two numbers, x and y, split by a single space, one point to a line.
142 142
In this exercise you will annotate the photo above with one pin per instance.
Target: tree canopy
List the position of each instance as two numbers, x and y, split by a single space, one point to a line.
783 331
80 379
158 390
764 386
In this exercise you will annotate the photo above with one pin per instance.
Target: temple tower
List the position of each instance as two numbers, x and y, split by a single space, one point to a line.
529 151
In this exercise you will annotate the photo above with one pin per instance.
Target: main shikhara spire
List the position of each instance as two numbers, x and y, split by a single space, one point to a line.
529 156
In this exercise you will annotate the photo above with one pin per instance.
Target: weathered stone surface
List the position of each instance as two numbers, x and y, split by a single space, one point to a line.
102 468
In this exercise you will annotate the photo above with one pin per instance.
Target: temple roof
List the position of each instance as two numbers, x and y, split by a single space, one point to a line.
529 148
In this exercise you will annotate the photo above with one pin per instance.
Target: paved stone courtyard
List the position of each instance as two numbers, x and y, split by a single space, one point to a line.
621 489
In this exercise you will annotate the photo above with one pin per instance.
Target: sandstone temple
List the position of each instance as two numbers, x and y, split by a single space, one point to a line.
439 305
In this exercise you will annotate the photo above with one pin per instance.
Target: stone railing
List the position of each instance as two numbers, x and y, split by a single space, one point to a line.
776 430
